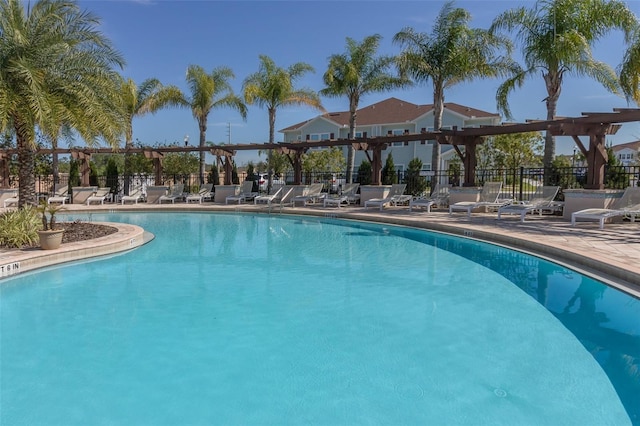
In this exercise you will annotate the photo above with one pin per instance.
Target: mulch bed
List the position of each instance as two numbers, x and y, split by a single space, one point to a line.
81 231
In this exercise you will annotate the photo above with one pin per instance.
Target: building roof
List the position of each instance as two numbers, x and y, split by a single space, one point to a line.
393 110
629 145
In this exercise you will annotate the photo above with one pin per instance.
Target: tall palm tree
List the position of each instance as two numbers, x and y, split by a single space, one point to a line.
138 100
56 69
208 92
273 87
356 73
450 54
556 37
148 97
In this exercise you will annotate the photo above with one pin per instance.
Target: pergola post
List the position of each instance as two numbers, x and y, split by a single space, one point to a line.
4 170
156 157
227 163
596 161
376 164
596 153
469 157
295 159
85 168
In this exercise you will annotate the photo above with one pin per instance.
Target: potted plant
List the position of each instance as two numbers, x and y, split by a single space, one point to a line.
50 236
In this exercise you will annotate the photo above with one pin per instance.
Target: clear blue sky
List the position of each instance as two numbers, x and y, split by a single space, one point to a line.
162 38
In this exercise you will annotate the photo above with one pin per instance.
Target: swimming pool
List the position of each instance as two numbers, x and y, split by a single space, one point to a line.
249 319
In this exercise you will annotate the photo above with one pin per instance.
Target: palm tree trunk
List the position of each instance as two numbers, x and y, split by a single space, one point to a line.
54 161
26 161
203 134
128 143
351 152
272 137
554 84
438 108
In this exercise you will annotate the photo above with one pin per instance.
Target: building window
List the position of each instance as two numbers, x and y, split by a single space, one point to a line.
397 132
319 136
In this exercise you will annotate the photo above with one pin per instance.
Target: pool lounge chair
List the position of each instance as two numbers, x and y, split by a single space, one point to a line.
176 193
8 197
99 196
203 192
439 197
310 195
627 205
134 196
489 198
80 194
268 199
246 193
348 196
284 199
395 197
542 199
60 194
350 190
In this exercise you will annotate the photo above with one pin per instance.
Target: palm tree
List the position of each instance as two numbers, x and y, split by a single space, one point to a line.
210 91
149 97
451 54
56 69
556 37
356 73
273 87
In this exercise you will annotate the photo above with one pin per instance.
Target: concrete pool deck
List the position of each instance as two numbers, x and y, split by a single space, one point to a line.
611 254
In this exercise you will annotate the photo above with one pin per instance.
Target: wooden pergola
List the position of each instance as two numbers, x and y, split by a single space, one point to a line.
595 126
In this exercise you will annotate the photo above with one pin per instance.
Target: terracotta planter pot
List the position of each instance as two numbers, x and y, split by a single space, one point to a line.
50 240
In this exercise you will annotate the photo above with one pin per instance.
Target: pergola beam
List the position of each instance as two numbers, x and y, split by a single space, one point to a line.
594 125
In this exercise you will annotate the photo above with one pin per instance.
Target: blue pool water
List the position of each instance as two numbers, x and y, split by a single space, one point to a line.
243 319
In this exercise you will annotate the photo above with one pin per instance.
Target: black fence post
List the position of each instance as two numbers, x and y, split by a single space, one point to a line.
521 182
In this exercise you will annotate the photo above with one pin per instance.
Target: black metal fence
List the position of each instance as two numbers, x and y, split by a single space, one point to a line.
517 183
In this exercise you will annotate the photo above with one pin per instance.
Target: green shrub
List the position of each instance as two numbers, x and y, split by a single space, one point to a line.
364 173
389 174
18 228
416 184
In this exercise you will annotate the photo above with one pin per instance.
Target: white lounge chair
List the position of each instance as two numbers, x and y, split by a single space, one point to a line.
489 198
349 195
268 199
246 193
541 200
60 194
134 196
310 195
99 196
284 199
8 197
627 205
439 197
80 194
350 190
396 196
176 193
203 192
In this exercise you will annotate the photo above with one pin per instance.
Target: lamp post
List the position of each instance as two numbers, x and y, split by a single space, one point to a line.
186 140
573 159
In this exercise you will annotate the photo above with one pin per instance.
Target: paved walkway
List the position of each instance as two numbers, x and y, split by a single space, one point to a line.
613 254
